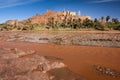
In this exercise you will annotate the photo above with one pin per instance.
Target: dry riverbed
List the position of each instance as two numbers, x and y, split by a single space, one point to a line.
67 38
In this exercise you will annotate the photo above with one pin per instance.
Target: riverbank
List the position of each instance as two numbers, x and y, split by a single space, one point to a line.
80 38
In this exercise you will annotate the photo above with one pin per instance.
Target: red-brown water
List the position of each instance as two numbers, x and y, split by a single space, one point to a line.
79 59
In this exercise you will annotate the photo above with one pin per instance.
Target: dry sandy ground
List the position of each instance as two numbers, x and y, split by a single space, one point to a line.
79 59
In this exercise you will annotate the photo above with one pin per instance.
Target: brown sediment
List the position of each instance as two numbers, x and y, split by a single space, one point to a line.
79 59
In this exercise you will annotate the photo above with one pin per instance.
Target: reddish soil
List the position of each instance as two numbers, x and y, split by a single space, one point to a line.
79 59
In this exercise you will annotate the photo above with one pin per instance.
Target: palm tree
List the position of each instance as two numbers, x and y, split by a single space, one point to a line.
98 25
79 22
107 21
56 24
63 24
102 19
69 22
115 20
74 24
87 23
95 20
107 18
51 22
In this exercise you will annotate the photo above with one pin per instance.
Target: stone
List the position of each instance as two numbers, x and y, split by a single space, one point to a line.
22 53
107 71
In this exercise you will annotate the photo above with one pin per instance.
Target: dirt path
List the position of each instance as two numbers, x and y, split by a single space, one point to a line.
80 59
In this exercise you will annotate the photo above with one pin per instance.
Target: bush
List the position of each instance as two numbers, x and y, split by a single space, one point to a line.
115 26
99 26
37 28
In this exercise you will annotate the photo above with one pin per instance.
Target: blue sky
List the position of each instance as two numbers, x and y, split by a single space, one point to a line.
23 9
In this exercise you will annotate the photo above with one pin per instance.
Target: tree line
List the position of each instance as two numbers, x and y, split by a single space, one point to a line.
104 23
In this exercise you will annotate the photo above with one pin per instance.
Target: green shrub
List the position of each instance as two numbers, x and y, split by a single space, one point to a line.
37 28
115 26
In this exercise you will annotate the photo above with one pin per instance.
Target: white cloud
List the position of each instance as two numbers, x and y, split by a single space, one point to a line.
10 3
102 1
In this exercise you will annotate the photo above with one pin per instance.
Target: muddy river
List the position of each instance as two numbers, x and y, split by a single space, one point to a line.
79 59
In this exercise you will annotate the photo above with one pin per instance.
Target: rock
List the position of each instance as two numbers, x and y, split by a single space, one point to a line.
26 53
64 74
57 65
44 67
53 58
107 71
16 53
